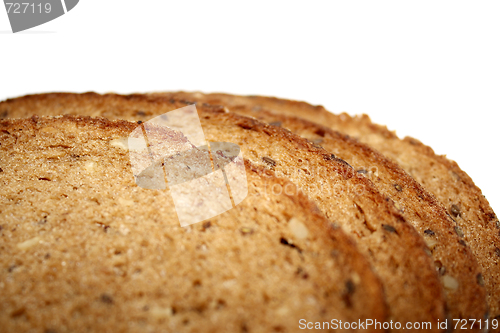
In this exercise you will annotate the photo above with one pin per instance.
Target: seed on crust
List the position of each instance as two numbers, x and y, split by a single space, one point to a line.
480 280
455 210
450 282
429 232
269 161
389 228
459 231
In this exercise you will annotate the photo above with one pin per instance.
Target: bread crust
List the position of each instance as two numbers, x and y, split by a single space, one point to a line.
440 176
377 224
453 258
100 262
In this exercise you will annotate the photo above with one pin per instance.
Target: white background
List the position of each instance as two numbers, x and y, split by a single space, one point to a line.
430 69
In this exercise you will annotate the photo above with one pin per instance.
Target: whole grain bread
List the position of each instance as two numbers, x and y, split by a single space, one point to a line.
85 249
440 176
349 200
456 264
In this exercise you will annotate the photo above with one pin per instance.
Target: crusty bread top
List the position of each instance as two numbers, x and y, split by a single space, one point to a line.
442 177
84 248
458 267
459 270
397 252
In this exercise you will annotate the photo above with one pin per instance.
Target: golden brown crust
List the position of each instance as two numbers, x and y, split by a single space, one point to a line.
83 248
452 187
412 286
454 260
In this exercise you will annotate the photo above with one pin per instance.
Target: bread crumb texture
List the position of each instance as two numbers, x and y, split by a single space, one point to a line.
84 249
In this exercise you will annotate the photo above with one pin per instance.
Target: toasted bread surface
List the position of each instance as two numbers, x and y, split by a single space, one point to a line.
351 201
460 273
85 249
456 264
440 176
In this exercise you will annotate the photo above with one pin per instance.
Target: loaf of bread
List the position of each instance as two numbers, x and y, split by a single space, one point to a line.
422 263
